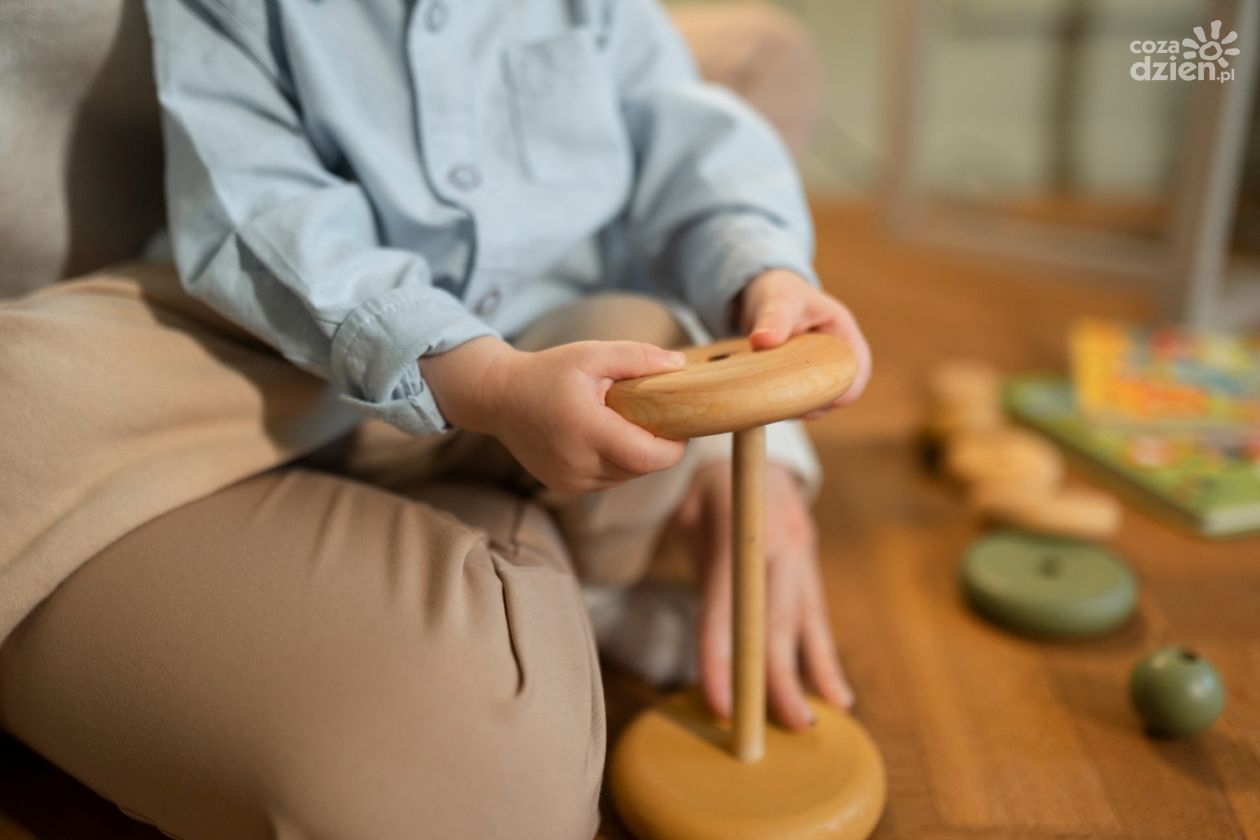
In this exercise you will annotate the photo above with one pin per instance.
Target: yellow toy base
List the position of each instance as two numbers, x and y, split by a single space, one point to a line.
673 778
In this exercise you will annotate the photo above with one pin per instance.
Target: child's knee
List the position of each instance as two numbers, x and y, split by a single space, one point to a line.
614 316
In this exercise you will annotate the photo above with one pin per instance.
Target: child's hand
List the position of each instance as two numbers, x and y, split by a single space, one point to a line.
799 644
548 407
779 304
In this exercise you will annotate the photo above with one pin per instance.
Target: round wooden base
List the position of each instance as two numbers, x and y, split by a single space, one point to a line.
673 778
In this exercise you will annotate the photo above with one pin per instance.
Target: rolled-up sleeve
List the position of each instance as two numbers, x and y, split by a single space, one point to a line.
273 237
717 198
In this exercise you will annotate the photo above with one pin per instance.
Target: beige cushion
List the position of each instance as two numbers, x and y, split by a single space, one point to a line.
763 53
80 147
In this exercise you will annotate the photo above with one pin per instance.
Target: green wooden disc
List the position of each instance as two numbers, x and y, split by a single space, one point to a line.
1047 586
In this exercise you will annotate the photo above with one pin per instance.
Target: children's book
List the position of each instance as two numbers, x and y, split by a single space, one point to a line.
1165 376
1209 476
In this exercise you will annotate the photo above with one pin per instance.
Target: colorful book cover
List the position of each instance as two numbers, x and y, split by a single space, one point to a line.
1141 376
1212 480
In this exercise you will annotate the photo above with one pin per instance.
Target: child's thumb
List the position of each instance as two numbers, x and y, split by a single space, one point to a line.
631 359
774 324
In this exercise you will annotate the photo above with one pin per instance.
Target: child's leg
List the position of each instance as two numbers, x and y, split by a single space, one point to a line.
304 656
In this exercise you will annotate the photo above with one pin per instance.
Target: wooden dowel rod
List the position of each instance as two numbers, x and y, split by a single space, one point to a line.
748 626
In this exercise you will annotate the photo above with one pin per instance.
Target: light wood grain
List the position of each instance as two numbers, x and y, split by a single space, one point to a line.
748 628
673 780
726 387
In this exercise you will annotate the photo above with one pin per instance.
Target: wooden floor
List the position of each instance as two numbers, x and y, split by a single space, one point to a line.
985 735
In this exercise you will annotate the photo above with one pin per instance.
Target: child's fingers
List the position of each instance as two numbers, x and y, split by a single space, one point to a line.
819 413
823 666
784 690
821 662
715 634
610 474
775 322
845 326
630 359
635 449
689 510
592 484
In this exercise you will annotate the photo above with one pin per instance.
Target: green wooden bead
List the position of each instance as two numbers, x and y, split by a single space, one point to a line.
1176 691
1047 586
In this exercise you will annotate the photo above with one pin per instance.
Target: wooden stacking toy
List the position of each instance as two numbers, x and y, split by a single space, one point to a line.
1012 476
678 773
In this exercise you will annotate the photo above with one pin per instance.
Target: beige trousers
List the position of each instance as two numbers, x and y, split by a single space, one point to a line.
294 652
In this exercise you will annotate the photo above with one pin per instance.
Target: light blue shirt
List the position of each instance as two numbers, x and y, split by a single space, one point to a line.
362 183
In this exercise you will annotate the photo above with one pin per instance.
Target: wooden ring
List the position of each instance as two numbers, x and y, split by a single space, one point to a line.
729 387
1048 586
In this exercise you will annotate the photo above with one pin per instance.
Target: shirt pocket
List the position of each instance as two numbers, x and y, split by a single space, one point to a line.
566 114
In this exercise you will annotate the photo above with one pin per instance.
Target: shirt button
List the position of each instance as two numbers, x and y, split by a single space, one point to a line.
436 16
465 177
489 303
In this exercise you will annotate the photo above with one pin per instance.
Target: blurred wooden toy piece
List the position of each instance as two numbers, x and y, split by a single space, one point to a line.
1010 457
1048 586
1070 511
963 396
1011 475
959 381
947 421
